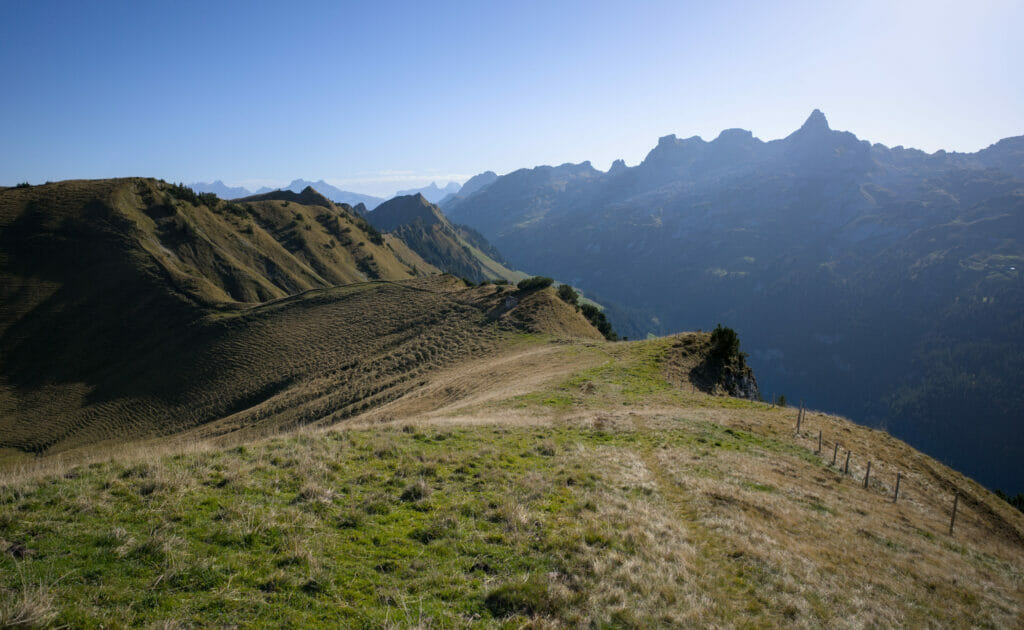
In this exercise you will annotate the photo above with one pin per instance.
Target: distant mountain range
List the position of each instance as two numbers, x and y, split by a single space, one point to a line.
333 193
222 190
474 184
432 193
883 283
336 194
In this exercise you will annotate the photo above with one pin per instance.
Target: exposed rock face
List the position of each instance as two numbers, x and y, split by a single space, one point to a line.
741 384
732 377
694 360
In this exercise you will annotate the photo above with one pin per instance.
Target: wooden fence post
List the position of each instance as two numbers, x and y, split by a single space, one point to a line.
956 500
867 475
896 495
818 452
846 470
835 451
799 417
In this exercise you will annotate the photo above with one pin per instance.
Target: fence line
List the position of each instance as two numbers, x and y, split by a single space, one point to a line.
867 473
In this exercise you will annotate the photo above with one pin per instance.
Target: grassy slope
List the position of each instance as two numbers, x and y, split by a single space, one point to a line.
321 356
425 229
550 484
126 312
408 256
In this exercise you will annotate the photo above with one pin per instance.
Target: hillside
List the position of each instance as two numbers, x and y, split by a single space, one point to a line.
134 308
883 283
451 248
544 484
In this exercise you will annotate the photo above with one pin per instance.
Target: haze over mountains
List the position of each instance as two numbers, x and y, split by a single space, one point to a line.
433 193
333 193
882 283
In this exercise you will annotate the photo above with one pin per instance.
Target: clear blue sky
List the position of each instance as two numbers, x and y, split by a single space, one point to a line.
386 95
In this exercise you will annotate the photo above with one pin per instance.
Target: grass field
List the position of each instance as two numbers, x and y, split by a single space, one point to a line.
594 493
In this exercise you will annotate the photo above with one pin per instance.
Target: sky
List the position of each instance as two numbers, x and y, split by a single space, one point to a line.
376 97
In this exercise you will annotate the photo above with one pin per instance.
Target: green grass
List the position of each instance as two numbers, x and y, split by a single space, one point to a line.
633 375
479 526
357 528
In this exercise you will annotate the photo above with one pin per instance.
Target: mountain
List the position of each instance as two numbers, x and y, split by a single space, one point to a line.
220 189
474 184
452 248
432 193
334 194
204 423
133 307
883 283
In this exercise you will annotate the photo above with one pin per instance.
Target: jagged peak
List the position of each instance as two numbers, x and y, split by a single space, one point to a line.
816 122
618 165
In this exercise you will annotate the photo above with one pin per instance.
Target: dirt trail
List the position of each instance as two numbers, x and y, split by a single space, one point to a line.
460 390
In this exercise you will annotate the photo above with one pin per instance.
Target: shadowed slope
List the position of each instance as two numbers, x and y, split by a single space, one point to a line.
452 248
134 308
324 355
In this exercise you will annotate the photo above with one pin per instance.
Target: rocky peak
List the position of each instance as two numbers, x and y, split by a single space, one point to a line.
815 122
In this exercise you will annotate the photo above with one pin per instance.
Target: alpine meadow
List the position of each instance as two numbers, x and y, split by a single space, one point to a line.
406 315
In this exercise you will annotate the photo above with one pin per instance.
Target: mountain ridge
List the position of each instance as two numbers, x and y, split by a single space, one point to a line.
865 242
333 193
447 246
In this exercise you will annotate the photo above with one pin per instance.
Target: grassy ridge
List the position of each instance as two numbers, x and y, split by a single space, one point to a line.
461 527
322 356
659 512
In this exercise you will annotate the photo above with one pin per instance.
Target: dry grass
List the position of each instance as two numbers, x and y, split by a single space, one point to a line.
29 606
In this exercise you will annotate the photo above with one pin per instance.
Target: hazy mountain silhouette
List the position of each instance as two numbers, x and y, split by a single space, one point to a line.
472 185
883 283
335 194
220 189
432 193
